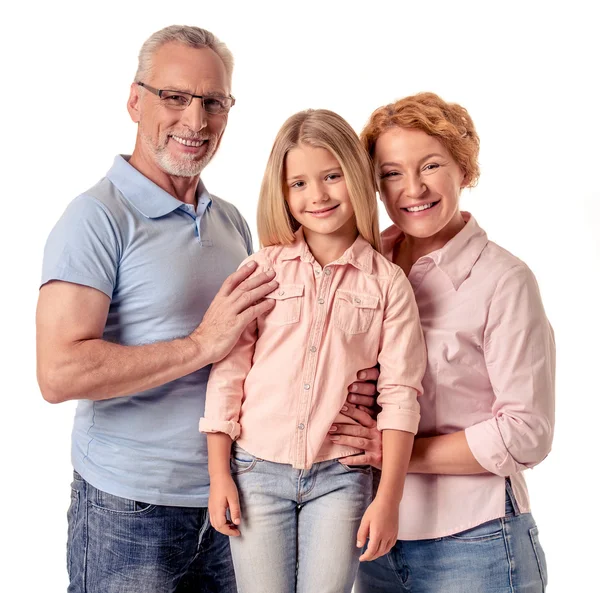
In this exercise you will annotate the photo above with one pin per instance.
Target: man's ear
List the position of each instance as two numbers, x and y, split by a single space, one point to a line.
133 103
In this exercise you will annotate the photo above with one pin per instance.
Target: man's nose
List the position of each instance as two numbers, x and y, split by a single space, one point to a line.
194 116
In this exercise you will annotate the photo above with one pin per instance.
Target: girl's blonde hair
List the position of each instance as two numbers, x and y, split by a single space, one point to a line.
319 128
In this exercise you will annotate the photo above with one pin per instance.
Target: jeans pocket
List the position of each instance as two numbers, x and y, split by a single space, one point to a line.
363 469
72 517
288 304
117 505
353 312
540 556
486 531
241 461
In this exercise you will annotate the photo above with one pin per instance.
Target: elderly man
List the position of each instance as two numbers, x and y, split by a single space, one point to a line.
139 296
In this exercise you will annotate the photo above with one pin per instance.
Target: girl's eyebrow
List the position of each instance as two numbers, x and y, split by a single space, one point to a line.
338 168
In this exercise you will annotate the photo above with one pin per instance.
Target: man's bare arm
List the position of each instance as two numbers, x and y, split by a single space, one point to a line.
74 362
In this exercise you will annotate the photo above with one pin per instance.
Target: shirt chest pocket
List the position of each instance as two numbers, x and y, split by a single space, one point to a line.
288 304
352 312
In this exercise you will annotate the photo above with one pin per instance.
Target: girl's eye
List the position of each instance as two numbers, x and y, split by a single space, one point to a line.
333 176
297 184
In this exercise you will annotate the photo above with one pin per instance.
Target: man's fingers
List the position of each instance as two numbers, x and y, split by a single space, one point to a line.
358 414
257 310
362 400
371 374
369 389
235 279
350 430
248 298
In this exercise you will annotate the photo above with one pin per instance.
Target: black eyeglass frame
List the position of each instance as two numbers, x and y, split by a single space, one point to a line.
159 93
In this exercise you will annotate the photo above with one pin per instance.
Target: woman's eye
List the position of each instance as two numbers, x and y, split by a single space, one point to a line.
389 174
431 167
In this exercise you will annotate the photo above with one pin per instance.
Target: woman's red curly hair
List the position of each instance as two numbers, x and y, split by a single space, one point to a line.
450 123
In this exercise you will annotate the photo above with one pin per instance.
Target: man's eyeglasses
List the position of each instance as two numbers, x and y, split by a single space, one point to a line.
212 104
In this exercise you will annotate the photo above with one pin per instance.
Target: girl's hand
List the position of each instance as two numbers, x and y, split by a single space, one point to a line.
223 496
380 525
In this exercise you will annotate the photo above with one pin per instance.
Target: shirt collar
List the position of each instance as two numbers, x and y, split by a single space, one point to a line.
456 258
147 197
359 254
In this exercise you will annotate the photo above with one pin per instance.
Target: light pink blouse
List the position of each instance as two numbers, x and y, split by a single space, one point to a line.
491 361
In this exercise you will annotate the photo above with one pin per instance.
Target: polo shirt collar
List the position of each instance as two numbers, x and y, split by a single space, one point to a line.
147 197
456 258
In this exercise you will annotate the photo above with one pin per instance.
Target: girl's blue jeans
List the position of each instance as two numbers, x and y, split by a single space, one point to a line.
299 527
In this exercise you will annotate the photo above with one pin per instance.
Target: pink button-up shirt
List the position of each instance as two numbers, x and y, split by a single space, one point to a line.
490 372
283 385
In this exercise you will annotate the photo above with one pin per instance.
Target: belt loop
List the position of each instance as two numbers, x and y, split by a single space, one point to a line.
512 508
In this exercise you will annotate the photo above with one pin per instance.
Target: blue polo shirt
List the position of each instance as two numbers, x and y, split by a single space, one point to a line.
161 262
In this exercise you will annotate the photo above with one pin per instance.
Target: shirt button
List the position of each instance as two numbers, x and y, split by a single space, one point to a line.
281 292
357 301
313 348
317 272
301 426
306 386
327 271
321 301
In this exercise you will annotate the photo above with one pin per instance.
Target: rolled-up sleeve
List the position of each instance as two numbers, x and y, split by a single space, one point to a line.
520 358
225 389
402 359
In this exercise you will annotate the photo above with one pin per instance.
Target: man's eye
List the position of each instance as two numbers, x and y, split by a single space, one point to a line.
214 105
175 99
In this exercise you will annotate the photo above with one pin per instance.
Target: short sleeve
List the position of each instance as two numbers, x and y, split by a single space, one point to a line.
83 247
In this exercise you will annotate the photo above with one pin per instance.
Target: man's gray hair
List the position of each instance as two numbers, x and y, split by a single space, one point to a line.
191 36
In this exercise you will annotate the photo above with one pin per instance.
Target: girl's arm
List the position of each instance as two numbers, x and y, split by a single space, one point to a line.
223 491
380 522
402 361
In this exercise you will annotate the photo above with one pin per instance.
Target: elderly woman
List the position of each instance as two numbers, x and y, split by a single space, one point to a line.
487 412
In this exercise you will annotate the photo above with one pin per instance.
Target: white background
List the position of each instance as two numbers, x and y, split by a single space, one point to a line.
526 72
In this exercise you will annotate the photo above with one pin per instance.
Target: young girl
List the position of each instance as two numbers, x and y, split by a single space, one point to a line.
340 306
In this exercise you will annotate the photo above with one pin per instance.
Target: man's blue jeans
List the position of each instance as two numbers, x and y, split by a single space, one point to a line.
120 545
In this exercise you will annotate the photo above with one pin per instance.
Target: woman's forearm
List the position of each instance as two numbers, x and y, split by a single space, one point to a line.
444 454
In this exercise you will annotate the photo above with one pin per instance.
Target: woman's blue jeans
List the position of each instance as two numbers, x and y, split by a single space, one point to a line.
500 556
